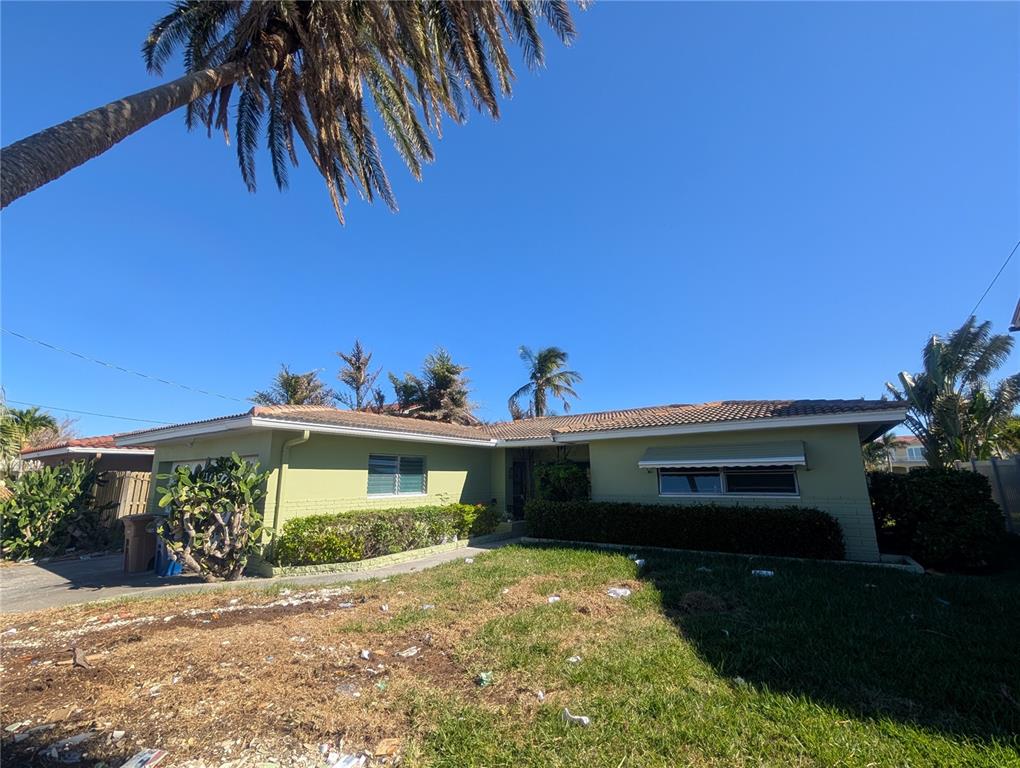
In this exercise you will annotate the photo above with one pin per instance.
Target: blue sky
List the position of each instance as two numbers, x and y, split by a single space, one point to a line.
698 202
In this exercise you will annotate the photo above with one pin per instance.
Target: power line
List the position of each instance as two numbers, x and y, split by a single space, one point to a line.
994 279
88 413
121 368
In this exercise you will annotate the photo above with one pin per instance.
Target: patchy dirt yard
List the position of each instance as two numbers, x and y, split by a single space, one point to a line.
689 660
243 677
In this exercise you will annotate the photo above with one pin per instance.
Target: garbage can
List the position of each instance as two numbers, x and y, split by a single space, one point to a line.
166 565
139 543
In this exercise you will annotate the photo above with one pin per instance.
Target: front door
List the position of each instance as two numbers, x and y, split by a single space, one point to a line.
519 488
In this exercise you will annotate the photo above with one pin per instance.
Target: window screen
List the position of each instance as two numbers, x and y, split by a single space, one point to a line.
390 475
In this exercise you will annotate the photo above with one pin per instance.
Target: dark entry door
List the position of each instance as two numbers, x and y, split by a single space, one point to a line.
519 488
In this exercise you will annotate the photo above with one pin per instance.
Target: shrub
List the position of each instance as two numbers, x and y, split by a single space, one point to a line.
561 481
346 536
213 526
52 509
786 531
943 518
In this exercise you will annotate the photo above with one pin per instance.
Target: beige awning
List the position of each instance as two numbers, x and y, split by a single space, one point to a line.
777 454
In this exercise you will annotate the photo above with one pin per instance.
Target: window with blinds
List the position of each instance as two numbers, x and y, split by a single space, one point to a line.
396 475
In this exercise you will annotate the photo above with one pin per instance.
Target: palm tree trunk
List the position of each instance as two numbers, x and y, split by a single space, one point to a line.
49 154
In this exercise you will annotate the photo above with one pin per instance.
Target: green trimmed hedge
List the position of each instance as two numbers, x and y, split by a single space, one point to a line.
347 536
782 531
943 518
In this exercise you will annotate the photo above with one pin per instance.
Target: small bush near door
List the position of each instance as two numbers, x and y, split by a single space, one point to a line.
347 536
562 481
943 518
788 531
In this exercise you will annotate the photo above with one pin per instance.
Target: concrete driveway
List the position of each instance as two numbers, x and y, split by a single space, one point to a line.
34 586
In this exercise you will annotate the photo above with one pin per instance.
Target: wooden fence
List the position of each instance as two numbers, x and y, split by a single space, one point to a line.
1004 477
129 490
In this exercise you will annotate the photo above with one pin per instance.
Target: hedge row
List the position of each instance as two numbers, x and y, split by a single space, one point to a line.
785 531
347 536
943 518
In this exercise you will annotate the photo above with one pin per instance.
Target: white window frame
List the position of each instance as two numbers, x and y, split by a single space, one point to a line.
915 453
396 478
726 492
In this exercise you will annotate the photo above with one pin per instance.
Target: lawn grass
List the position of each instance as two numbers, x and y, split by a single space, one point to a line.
704 664
818 665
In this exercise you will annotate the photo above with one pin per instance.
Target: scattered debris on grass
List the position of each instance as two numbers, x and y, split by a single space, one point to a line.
554 598
469 560
580 720
573 659
484 679
409 652
387 748
618 592
147 758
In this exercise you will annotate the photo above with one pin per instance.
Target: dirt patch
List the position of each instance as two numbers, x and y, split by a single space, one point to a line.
272 673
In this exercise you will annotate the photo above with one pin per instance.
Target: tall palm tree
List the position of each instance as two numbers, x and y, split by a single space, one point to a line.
953 409
357 375
546 377
295 389
306 65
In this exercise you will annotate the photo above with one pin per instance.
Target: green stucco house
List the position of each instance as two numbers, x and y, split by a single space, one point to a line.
755 452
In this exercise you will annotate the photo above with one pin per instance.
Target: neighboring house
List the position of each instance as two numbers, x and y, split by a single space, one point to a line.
805 452
103 448
906 454
126 470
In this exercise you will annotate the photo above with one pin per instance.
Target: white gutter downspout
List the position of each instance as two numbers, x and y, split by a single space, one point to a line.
284 462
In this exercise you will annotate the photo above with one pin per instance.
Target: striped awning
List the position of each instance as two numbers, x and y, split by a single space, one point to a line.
776 454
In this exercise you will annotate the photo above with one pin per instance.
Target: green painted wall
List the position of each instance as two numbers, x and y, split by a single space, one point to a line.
254 443
329 473
833 481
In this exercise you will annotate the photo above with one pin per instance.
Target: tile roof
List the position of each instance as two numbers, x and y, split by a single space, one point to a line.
545 427
676 415
318 414
99 442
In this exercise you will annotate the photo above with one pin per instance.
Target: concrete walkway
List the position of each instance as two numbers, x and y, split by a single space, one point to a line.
31 587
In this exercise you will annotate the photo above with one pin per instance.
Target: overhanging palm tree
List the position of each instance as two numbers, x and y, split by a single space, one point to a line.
954 411
546 377
303 68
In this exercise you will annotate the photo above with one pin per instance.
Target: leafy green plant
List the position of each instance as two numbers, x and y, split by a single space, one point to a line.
347 536
213 525
52 509
943 518
561 481
785 531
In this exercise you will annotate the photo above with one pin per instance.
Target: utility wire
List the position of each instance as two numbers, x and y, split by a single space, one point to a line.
88 413
121 368
994 279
